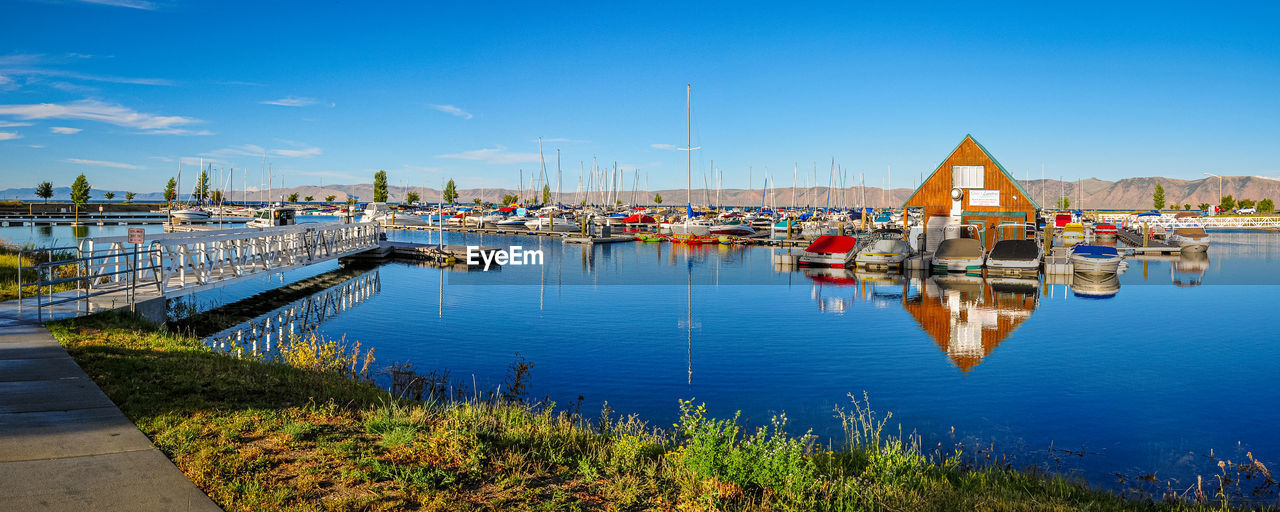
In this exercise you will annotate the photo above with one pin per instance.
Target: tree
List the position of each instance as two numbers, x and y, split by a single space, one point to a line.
202 186
128 197
1203 206
308 199
1266 205
508 199
450 192
80 193
1064 202
411 197
293 198
657 198
475 200
1228 203
171 190
1175 206
216 196
1246 203
1157 198
109 195
330 198
380 187
44 190
546 194
1186 206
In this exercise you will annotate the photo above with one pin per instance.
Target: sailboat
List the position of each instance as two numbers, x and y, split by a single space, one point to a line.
690 233
188 212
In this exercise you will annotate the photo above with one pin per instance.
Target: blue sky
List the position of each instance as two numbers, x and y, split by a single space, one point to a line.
121 89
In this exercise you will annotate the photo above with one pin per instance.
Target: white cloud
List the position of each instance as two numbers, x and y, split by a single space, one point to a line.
241 150
37 146
450 109
93 110
161 158
11 124
64 130
294 153
132 4
102 163
9 136
291 101
662 146
498 155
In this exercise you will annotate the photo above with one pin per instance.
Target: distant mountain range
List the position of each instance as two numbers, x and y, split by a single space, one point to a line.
1089 193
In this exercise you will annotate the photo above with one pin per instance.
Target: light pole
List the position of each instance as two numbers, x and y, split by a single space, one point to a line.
1219 185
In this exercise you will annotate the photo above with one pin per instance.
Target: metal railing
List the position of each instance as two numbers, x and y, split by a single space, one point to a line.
125 269
178 264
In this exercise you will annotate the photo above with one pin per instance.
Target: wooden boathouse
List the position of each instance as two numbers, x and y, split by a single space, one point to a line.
988 194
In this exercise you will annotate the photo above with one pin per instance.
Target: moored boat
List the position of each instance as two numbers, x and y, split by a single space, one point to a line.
829 251
1095 259
884 254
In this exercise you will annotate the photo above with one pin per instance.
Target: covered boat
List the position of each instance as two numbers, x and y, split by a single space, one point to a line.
1189 235
829 251
1015 257
959 255
639 218
1104 231
883 254
1095 259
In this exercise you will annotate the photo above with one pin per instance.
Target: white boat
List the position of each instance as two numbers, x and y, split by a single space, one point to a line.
733 227
271 217
830 251
560 224
959 253
190 214
1095 259
696 228
381 214
883 254
513 222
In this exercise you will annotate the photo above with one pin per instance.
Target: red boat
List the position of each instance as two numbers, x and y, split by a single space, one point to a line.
639 218
1104 231
830 251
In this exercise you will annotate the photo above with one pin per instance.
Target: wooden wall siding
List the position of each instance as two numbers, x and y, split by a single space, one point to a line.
934 316
934 195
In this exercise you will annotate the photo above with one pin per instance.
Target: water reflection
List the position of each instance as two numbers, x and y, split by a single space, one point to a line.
969 316
1095 286
1189 269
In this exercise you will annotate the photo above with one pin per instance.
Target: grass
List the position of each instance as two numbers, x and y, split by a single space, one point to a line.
260 435
9 270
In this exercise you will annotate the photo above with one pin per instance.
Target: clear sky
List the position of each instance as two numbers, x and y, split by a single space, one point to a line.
121 89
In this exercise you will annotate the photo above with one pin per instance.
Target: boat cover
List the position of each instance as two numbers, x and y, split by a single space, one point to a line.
1015 250
1095 251
832 244
638 219
959 248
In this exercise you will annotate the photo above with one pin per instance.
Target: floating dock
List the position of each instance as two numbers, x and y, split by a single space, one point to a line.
432 253
1133 240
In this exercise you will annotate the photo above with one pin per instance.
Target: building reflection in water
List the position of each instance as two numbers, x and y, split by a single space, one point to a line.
967 316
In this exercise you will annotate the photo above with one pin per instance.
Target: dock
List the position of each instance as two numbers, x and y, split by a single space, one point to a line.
431 253
108 220
1133 240
759 239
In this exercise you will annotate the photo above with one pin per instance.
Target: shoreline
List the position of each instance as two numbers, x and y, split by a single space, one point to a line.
255 434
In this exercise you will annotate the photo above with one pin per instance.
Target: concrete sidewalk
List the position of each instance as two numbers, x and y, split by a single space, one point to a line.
65 446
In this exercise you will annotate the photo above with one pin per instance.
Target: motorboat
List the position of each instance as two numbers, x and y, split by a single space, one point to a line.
271 217
732 227
1016 256
1105 231
830 251
883 254
1188 234
1095 259
779 229
513 222
694 228
560 224
961 250
190 214
382 214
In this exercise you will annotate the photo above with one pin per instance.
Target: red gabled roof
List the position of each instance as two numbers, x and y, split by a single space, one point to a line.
832 244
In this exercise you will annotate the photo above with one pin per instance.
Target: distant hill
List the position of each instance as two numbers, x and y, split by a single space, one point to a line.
1089 193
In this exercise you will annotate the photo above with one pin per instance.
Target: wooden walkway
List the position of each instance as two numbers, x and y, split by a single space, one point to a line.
1133 240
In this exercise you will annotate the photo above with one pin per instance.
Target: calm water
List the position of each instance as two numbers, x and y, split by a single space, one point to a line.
1180 358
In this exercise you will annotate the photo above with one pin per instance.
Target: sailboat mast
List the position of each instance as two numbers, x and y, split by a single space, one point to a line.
688 125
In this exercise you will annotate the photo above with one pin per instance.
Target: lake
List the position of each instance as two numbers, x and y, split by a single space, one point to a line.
1178 360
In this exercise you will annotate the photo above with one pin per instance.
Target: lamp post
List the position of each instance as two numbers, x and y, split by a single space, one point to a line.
1219 185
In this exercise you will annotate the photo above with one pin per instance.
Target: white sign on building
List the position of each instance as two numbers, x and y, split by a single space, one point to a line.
984 198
